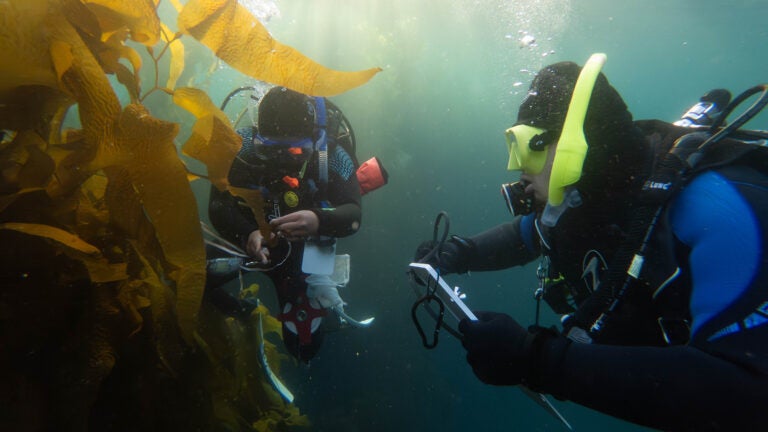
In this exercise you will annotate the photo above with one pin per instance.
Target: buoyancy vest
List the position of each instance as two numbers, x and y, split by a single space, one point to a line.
587 242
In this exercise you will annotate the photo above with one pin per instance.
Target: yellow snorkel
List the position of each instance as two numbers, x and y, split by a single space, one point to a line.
572 144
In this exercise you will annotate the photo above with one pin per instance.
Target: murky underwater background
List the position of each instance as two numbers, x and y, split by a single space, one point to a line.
454 74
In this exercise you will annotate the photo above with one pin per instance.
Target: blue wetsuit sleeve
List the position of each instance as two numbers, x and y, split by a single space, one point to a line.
528 232
721 230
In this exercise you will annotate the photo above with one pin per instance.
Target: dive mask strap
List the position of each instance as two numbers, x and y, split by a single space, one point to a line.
572 145
302 143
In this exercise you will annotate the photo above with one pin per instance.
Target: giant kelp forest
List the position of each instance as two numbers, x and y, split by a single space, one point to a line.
103 325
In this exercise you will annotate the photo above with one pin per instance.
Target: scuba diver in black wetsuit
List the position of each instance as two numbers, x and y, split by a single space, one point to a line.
652 240
300 159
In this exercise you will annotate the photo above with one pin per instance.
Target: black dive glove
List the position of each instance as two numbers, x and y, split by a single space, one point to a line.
502 352
454 255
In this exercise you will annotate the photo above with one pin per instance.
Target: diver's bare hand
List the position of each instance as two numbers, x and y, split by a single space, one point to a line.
296 226
255 249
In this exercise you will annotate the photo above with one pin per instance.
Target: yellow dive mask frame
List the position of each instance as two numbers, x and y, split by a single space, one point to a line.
572 144
521 155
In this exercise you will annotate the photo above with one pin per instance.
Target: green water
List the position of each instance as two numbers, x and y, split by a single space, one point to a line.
454 73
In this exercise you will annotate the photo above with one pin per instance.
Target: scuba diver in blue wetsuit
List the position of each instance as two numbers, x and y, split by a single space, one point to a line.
300 158
652 241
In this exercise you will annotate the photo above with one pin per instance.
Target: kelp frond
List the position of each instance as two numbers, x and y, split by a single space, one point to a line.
238 38
101 215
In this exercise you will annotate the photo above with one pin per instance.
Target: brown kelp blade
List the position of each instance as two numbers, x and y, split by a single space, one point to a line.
238 38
